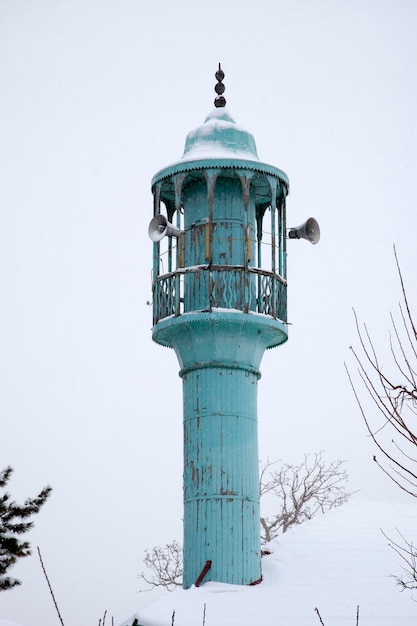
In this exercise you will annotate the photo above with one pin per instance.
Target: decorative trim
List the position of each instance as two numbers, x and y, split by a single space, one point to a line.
214 365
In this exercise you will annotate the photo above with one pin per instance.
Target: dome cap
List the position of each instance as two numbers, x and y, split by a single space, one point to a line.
220 137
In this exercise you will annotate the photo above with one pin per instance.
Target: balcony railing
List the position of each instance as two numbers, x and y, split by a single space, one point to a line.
205 287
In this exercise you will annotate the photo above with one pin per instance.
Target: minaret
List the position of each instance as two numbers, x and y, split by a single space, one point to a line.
220 300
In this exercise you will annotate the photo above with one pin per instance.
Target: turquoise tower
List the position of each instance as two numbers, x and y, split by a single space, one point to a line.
220 300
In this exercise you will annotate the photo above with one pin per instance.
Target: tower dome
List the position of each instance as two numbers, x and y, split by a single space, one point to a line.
219 137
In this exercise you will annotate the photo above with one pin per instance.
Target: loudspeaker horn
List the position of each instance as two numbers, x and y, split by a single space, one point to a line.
159 228
310 230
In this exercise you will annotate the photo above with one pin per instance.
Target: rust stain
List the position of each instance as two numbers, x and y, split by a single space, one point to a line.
195 473
230 242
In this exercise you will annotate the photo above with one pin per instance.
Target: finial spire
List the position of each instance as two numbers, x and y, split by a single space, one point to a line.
219 100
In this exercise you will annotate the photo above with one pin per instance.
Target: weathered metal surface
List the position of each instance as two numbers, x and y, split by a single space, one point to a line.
221 491
205 287
223 231
221 303
167 173
220 336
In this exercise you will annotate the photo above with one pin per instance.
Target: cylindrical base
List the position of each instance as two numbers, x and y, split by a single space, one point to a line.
221 489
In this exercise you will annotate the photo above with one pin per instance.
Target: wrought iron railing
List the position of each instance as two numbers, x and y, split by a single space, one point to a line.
205 287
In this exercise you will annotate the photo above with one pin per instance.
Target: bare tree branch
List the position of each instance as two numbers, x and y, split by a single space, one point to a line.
319 616
394 396
165 565
391 418
408 554
302 491
49 585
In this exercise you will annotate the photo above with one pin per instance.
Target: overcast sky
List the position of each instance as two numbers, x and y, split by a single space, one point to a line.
96 97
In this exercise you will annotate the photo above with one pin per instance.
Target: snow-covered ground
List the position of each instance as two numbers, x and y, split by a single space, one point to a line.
334 562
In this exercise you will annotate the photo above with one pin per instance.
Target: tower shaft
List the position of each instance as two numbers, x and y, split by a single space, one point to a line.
220 354
221 489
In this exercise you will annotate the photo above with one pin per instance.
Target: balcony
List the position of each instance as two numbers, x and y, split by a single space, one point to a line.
210 287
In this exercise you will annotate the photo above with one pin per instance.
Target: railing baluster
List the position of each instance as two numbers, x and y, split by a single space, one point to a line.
227 290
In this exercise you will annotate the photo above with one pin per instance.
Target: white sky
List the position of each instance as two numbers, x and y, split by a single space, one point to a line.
97 96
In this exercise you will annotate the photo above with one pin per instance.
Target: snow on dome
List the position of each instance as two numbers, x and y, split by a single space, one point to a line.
219 137
223 115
